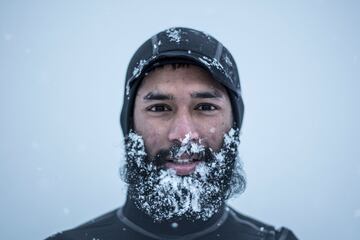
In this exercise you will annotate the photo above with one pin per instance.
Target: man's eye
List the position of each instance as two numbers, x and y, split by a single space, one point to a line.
206 107
158 108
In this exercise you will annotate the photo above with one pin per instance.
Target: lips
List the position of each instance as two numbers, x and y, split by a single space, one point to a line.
184 164
182 167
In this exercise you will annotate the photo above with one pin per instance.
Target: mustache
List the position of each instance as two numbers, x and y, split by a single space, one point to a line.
191 150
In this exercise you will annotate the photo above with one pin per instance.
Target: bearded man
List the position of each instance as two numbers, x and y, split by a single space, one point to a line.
181 119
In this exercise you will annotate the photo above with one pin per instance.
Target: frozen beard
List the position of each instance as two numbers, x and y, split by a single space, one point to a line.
164 195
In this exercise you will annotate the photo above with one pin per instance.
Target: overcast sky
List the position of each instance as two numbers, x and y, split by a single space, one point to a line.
62 69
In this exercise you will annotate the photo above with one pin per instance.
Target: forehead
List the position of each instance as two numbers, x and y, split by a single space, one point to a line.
178 77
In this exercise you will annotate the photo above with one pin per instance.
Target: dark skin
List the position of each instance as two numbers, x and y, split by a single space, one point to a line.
174 103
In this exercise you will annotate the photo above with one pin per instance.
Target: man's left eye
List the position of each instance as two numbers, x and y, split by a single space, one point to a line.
206 107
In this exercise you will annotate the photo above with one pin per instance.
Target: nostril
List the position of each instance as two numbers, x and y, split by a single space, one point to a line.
182 135
189 137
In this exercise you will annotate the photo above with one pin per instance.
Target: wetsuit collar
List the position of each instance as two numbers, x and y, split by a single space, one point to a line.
133 215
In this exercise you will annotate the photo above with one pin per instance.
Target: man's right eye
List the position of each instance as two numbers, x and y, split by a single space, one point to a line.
158 108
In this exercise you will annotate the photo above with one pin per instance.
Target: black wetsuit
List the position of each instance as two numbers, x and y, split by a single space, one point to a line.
130 223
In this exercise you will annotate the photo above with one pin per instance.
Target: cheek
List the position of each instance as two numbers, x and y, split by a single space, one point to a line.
146 129
214 133
153 138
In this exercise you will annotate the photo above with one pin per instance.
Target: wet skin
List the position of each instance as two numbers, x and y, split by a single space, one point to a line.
171 103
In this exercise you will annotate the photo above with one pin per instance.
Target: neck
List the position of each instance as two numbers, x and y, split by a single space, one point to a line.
175 227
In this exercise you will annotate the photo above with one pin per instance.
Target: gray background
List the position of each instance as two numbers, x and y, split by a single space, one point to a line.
62 66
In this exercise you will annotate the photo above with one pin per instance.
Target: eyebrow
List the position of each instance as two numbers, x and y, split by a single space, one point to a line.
158 96
163 96
207 94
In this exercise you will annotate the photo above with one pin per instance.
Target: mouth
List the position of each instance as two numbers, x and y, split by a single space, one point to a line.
183 166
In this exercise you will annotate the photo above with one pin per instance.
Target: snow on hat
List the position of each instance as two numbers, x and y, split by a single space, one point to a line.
182 45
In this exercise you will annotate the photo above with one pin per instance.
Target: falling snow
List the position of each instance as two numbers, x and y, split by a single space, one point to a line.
8 36
35 145
66 211
357 213
355 59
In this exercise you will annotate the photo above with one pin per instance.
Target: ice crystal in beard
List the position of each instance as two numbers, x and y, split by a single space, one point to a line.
163 195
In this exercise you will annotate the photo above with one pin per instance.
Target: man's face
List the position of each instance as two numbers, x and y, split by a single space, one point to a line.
176 106
182 159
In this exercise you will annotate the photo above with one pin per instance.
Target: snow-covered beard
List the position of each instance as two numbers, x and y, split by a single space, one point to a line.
164 195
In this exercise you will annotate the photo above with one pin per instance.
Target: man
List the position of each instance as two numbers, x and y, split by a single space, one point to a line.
181 118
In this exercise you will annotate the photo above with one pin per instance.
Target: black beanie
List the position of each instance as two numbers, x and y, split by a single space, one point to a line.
182 45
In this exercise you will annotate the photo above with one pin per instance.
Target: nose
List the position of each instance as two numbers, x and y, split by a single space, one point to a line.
181 125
